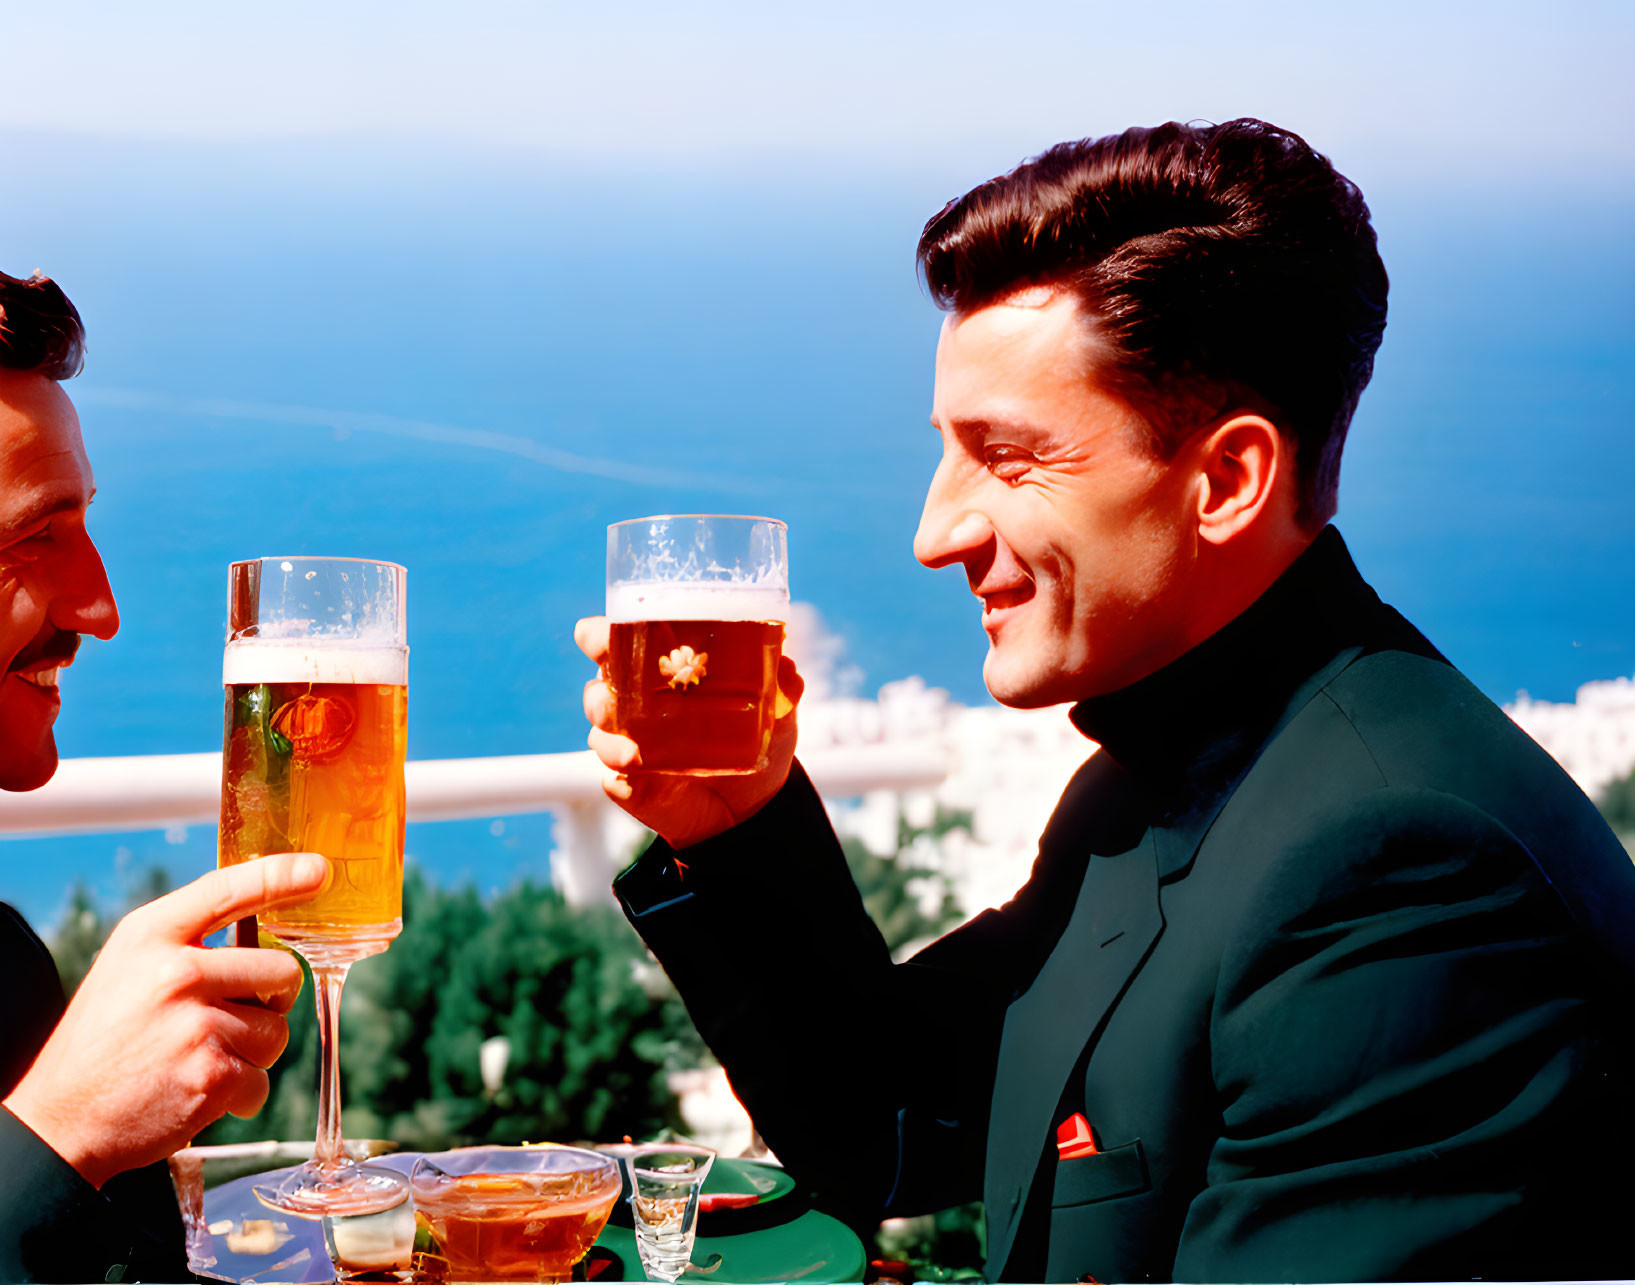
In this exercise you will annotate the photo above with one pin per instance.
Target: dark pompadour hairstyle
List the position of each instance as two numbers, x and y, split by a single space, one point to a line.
1225 266
40 329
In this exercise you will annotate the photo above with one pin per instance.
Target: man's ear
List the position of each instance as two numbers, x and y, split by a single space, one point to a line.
1245 468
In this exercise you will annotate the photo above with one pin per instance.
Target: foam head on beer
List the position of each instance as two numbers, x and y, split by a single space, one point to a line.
704 600
696 608
257 660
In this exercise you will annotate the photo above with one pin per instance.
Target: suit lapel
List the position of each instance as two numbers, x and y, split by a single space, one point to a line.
1114 924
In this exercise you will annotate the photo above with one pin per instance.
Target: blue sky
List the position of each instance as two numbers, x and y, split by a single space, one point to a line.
1394 88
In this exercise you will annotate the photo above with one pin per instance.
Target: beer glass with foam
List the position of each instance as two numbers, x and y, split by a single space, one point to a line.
314 739
696 608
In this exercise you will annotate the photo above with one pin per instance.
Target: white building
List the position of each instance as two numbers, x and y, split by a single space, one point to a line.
1005 767
1593 738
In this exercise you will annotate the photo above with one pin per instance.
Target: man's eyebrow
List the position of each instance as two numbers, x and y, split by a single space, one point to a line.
985 425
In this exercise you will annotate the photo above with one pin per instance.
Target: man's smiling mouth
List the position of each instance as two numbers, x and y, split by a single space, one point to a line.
997 602
39 666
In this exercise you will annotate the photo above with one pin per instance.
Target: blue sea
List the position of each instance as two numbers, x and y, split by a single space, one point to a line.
471 363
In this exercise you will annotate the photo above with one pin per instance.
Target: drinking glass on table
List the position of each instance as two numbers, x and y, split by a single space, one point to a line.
315 732
665 1184
696 608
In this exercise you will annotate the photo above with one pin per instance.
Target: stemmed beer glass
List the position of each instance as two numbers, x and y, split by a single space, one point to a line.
314 738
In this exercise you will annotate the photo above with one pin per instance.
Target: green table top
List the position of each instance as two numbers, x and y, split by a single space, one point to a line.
812 1247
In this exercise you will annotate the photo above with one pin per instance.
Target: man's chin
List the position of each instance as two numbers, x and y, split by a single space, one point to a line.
27 769
1022 689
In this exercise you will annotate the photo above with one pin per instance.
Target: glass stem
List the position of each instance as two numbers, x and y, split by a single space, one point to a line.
329 1153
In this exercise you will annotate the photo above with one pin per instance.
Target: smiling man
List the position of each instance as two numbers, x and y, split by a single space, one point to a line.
52 585
1324 968
162 1036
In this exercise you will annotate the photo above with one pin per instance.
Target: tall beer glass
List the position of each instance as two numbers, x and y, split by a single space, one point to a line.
316 672
696 606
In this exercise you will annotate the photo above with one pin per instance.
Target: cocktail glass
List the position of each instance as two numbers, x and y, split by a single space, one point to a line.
316 678
513 1213
665 1183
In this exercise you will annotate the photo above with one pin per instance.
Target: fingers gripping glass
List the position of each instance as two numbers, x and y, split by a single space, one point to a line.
696 608
314 738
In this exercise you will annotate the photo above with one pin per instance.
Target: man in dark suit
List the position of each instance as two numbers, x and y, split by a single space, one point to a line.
162 1036
1323 970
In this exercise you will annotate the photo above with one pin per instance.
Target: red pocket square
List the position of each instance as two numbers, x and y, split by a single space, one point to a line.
1073 1138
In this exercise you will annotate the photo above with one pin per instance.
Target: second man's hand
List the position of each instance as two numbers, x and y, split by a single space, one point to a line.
682 810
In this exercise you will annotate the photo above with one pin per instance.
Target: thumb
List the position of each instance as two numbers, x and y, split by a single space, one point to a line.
217 899
791 687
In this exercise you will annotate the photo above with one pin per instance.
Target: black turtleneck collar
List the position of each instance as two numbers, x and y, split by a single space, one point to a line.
1197 722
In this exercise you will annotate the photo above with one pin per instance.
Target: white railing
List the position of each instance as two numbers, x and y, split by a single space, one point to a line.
150 792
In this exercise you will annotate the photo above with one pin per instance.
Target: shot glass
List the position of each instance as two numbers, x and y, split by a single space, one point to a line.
373 1246
193 1171
187 1176
665 1183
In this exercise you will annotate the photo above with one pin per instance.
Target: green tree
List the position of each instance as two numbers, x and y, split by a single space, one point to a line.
1617 804
888 884
148 884
79 935
391 1004
83 928
588 1046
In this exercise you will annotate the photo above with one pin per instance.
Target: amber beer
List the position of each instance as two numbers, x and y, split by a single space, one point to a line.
314 744
695 676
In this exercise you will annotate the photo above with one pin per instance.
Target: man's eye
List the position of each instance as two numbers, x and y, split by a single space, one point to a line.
29 548
1007 464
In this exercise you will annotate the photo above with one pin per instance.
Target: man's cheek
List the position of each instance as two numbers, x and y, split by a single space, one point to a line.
19 620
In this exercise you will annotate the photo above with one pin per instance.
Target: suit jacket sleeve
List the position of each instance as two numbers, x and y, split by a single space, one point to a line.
55 1226
869 1080
1404 1052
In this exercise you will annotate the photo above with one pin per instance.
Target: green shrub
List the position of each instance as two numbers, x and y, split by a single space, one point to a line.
1617 804
589 1048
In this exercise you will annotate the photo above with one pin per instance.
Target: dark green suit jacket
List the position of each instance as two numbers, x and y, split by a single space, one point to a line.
55 1226
1336 962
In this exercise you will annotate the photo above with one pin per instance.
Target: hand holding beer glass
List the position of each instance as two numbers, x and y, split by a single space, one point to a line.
693 707
315 733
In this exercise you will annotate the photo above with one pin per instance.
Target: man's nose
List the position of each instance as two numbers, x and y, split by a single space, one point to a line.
86 604
950 530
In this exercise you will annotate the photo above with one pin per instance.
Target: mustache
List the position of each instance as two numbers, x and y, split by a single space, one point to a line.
59 646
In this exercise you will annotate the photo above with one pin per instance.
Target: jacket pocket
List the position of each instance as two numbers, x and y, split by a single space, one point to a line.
1086 1179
